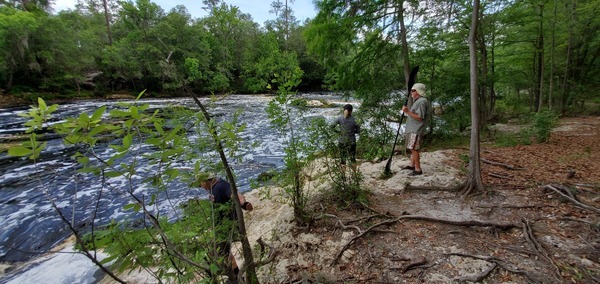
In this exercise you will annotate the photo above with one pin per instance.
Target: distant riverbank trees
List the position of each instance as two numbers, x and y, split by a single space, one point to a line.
136 45
532 55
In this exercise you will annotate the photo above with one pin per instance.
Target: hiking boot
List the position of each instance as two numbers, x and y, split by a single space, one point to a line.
416 173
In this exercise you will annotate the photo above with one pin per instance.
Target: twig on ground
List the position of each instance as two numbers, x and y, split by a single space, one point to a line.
507 166
512 206
592 186
498 176
577 220
414 264
580 204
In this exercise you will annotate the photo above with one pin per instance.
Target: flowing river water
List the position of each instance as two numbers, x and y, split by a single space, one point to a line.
30 227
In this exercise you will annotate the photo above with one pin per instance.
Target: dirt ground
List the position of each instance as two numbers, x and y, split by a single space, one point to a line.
520 231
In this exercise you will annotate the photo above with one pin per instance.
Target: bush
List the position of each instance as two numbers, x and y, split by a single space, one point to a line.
543 122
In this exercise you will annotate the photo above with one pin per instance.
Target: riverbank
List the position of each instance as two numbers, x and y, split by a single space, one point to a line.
8 100
519 232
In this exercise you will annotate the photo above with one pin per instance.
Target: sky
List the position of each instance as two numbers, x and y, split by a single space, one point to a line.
259 9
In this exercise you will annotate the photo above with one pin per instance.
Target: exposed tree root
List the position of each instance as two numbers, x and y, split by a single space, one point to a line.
498 176
580 204
467 223
434 188
536 246
478 277
414 265
506 266
506 166
272 253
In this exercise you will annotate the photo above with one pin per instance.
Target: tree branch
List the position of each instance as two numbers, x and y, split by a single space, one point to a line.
580 204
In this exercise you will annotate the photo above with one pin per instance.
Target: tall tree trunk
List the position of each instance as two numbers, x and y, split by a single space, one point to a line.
491 83
552 65
540 61
483 82
474 181
404 48
107 18
566 78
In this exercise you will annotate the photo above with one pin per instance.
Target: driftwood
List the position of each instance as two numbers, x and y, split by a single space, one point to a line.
506 166
580 204
466 223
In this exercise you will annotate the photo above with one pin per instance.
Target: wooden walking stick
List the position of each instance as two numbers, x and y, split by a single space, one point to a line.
411 82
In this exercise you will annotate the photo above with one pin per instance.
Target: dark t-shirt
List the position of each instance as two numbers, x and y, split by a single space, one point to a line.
221 193
348 129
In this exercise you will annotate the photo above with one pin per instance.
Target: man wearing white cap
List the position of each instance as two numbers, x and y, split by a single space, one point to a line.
416 124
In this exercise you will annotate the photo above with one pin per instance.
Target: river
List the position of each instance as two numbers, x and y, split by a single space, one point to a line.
30 225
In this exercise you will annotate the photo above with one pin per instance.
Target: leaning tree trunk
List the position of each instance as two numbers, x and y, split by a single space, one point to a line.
474 181
249 264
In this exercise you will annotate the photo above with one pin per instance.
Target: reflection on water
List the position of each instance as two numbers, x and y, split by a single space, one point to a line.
31 226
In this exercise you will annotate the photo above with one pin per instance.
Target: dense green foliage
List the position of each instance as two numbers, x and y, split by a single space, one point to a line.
532 55
179 251
135 45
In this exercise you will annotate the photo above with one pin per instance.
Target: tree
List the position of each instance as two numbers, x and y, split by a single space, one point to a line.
297 153
16 28
474 181
365 47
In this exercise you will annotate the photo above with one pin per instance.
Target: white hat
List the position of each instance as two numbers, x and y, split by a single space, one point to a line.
420 88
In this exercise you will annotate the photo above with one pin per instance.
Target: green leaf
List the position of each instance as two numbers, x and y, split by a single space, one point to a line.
98 114
83 160
19 151
140 94
154 141
159 128
112 174
83 119
97 129
127 140
42 104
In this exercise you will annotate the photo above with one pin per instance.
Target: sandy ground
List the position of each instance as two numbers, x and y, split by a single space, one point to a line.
412 251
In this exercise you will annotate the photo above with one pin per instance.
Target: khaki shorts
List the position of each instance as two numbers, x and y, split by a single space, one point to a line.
413 141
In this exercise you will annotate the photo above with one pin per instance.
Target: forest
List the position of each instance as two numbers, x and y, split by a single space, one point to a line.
483 62
532 54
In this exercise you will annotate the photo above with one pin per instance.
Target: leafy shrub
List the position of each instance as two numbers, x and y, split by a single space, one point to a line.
543 122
